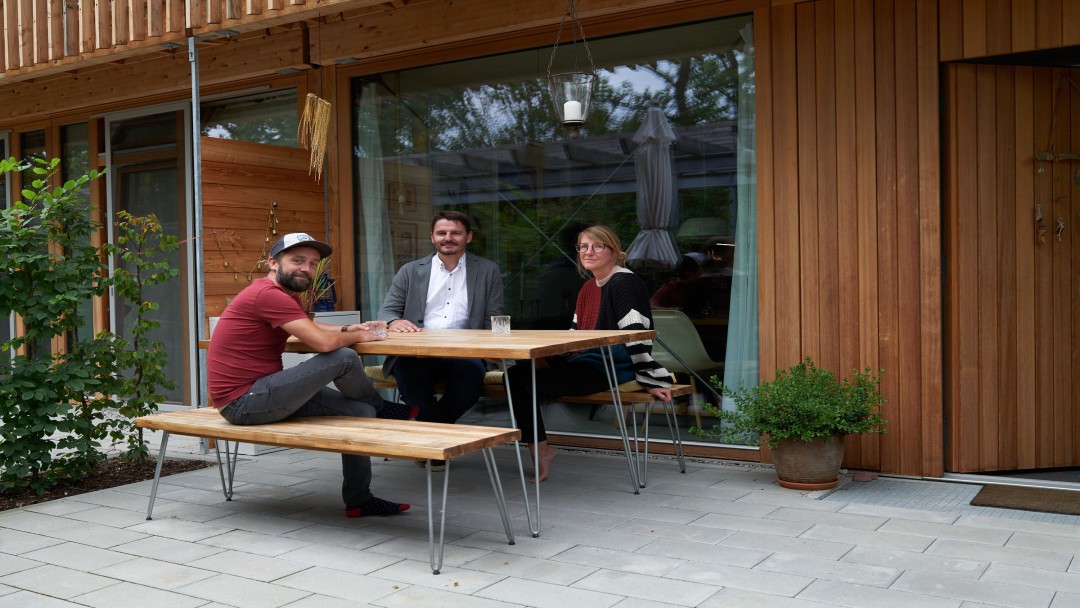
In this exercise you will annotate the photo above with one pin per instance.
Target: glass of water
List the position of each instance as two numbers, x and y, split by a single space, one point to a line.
377 327
500 324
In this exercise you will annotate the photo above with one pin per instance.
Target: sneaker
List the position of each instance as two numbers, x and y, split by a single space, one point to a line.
398 411
376 506
436 465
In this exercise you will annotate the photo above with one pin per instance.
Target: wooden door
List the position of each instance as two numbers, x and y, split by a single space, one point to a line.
1011 177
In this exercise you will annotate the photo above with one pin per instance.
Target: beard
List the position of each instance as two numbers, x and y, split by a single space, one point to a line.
293 282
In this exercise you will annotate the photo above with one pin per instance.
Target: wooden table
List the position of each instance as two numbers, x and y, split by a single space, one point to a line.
528 344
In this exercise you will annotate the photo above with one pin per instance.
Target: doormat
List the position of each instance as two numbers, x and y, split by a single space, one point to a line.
1044 500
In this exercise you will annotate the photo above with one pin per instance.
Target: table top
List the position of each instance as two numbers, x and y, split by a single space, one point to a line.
482 344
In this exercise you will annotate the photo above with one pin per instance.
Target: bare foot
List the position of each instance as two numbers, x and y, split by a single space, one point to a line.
547 454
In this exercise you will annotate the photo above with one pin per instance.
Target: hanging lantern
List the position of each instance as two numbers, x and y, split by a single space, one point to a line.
571 92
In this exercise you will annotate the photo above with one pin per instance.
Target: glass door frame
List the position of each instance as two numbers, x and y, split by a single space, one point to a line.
190 381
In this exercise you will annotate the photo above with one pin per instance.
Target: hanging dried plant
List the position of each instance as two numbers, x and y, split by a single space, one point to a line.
314 130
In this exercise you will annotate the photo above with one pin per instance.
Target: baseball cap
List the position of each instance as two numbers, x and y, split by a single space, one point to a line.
294 239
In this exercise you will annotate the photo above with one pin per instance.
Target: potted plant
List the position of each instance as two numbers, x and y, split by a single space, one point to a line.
804 413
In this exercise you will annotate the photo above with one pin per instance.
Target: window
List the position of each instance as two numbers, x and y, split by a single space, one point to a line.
264 118
480 136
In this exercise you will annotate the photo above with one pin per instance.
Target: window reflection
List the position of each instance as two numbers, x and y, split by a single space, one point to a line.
480 136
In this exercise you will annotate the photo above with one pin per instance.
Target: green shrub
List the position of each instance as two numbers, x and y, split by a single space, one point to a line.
804 402
56 409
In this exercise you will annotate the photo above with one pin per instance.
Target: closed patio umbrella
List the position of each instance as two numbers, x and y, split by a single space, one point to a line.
653 246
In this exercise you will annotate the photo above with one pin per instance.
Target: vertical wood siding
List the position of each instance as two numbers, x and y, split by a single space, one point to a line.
1013 330
240 182
978 28
848 236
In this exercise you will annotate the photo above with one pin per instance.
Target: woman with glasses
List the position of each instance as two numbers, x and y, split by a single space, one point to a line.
613 298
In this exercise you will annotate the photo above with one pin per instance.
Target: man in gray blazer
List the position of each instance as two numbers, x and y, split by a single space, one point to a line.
451 289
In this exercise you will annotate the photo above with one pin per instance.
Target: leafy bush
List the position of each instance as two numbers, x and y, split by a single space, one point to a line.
55 407
803 403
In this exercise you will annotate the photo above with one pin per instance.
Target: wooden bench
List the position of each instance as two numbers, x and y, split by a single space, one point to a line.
630 393
345 435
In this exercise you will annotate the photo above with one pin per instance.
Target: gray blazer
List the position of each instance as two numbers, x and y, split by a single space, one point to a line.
408 294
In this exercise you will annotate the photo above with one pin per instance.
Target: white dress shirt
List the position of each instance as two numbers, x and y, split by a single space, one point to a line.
447 298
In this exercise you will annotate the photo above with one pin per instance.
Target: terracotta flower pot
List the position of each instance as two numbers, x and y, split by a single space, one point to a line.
809 465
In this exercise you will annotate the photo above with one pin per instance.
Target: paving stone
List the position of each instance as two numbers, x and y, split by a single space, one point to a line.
56 581
544 595
621 561
836 593
604 539
450 578
655 588
913 560
1047 560
1044 542
861 574
15 542
955 532
340 558
729 597
243 592
13 563
752 524
705 553
1032 577
419 550
74 556
742 578
155 573
122 594
342 585
250 542
247 565
846 520
906 542
986 591
553 570
800 546
26 599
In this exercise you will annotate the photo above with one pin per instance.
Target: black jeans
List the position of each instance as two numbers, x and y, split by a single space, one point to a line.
561 377
302 391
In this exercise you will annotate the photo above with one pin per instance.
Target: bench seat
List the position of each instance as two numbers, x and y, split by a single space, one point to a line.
345 435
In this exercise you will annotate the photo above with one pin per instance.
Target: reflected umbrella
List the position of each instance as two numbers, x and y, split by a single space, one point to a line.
654 247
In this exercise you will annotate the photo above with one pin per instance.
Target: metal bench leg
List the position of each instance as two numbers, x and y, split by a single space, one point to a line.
496 486
437 565
673 428
616 398
643 463
534 529
157 473
229 468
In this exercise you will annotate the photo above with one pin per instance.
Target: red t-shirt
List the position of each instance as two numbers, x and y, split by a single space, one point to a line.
248 340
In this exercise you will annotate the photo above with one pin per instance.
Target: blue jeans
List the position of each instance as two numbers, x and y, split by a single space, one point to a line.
462 379
302 391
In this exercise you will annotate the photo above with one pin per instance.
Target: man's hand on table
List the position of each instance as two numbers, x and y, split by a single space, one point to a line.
402 326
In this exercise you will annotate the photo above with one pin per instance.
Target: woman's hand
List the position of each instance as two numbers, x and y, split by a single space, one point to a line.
661 394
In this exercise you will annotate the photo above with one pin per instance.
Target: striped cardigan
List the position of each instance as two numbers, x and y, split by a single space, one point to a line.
624 304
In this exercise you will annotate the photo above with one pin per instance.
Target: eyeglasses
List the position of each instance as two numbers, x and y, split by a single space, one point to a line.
596 247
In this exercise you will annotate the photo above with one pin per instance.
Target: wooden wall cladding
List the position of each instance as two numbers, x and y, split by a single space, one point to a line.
240 183
849 214
1013 283
978 28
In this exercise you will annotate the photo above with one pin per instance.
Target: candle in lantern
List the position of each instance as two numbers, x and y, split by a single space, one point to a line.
572 110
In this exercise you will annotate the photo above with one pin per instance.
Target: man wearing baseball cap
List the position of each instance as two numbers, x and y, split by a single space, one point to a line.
246 378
